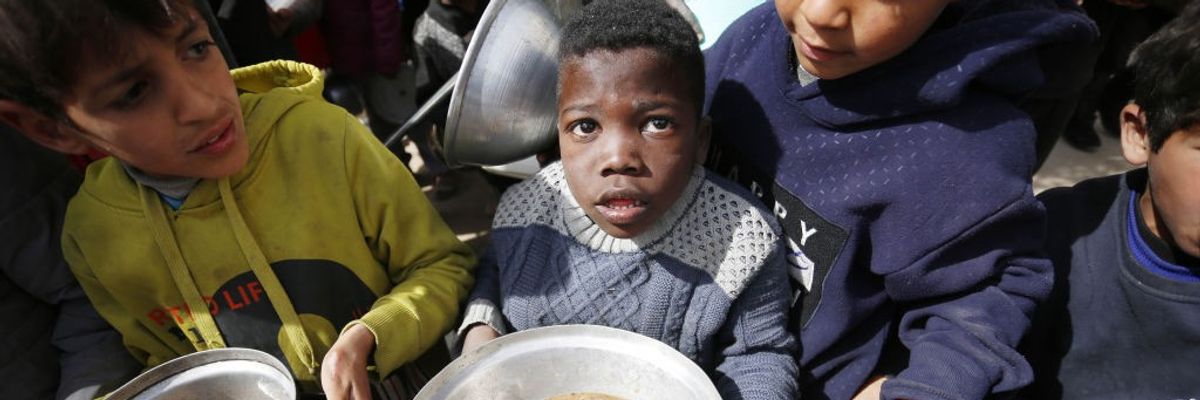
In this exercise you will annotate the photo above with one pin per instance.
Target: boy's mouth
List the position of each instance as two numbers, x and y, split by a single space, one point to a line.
219 140
818 52
621 207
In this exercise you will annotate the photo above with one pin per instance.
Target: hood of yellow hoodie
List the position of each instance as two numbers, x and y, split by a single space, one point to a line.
284 83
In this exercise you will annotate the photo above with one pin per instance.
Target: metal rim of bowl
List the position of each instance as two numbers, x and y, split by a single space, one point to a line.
450 374
176 366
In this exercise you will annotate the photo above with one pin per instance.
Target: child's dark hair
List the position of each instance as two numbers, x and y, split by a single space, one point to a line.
1166 70
43 41
616 25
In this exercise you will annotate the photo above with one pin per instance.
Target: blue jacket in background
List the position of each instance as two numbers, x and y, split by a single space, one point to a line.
904 191
1121 322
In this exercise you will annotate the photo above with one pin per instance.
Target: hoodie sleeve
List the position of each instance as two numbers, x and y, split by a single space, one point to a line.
967 303
428 266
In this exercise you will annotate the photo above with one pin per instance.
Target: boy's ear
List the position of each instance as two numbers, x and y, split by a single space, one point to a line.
41 129
705 137
1135 138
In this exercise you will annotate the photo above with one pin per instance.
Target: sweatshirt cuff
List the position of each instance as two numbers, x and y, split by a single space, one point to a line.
397 337
482 311
479 311
941 373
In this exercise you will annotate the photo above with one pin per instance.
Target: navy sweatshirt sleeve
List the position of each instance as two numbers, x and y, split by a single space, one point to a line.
962 260
971 301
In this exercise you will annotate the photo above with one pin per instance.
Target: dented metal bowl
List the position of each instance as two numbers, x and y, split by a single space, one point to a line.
545 362
231 373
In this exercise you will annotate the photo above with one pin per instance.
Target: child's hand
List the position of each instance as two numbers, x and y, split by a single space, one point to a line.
344 369
477 336
872 390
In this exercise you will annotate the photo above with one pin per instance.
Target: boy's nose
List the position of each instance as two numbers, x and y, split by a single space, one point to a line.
826 14
195 101
622 156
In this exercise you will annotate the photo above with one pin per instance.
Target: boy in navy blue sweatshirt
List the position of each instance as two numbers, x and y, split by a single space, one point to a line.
1122 321
885 137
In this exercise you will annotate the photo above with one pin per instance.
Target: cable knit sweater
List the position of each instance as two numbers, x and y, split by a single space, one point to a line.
707 279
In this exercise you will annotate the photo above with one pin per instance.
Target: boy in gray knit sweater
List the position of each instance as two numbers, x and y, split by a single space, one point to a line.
628 230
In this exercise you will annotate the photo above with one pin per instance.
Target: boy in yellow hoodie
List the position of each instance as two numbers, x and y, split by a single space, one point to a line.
267 219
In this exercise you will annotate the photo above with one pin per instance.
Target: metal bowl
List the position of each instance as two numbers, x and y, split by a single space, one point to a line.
544 362
231 373
503 105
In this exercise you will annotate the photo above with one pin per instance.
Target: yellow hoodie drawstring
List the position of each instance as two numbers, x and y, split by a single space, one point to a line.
209 335
279 299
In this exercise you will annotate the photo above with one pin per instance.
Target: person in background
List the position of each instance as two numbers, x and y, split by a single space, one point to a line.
369 50
54 344
1122 321
1123 25
441 36
258 33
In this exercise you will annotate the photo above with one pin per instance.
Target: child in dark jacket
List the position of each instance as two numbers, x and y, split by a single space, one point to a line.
884 135
1121 322
629 231
54 342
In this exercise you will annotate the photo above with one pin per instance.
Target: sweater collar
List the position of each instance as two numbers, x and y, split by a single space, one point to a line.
1144 252
580 226
176 187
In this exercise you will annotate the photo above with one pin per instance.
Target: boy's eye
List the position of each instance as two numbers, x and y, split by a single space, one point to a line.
133 95
200 49
657 125
583 128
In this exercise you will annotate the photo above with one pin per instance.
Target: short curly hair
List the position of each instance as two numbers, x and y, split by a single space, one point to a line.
616 25
42 41
1166 69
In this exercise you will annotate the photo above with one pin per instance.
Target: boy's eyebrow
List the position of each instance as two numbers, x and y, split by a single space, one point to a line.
578 107
124 75
648 105
190 26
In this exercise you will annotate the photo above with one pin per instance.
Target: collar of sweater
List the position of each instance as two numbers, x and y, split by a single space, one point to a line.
176 187
584 230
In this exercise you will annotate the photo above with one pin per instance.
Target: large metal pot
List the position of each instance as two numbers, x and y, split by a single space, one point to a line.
231 373
557 360
502 108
